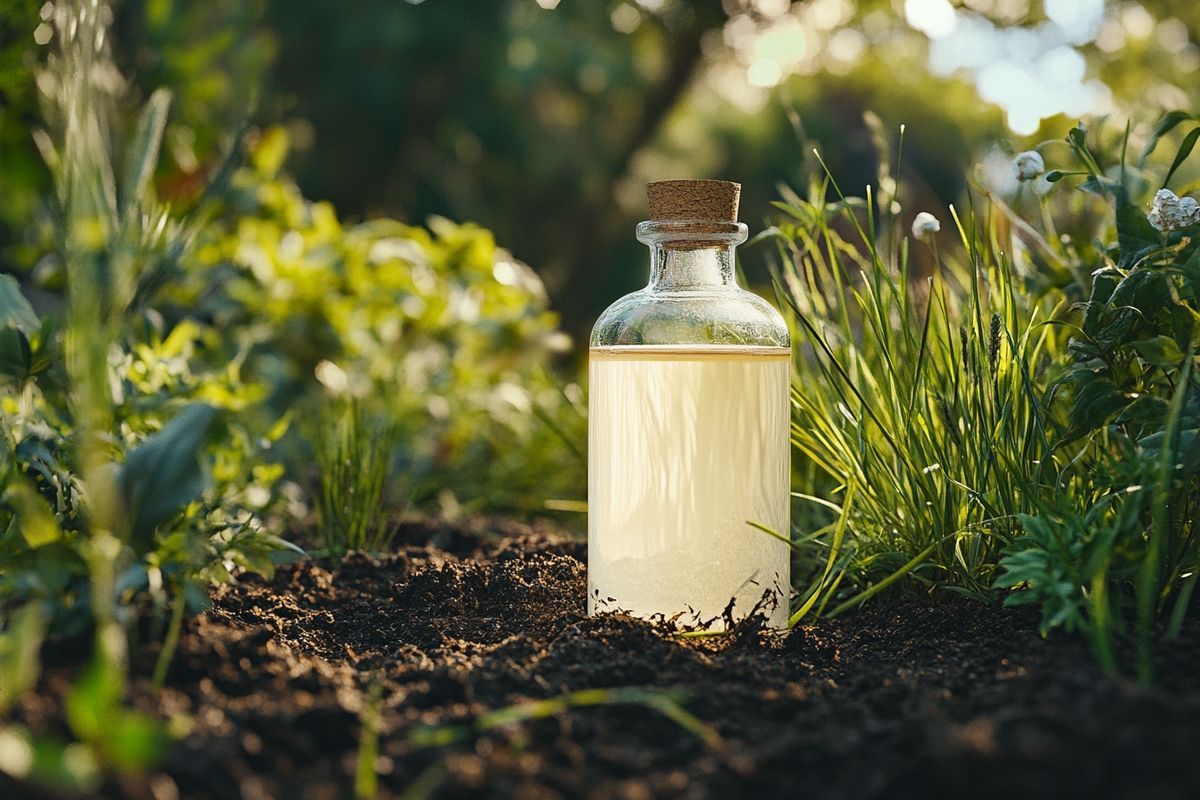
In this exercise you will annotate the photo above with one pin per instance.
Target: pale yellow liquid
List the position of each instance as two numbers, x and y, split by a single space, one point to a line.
686 445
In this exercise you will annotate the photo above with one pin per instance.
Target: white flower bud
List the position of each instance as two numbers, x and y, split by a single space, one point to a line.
1170 212
925 225
1028 165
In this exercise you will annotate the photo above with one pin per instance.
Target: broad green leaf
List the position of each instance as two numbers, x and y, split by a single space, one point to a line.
196 597
1161 351
16 356
1145 290
1190 269
1155 440
95 699
1102 290
15 310
34 517
20 645
164 473
1135 234
1095 402
1185 150
142 157
133 741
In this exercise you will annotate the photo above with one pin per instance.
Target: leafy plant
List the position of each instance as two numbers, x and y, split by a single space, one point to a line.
449 332
109 505
1022 419
1118 542
147 412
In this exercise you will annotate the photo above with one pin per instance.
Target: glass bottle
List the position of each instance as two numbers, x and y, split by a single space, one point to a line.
688 428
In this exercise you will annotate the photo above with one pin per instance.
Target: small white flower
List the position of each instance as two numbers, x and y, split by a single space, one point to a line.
925 225
1169 212
332 376
1028 165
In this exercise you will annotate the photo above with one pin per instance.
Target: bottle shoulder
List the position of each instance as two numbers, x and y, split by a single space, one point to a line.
730 315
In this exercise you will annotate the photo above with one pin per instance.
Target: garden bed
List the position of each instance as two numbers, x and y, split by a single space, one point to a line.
902 699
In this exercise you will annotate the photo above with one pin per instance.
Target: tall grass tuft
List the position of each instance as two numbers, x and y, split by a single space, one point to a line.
354 455
916 392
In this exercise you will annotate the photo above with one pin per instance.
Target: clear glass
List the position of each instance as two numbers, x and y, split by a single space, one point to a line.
693 296
688 433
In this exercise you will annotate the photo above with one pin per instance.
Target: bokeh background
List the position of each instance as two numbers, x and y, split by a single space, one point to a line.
541 119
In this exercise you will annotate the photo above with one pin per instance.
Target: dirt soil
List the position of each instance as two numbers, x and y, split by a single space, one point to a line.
903 699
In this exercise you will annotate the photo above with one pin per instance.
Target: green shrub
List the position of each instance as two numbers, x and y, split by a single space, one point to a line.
148 413
1026 418
127 482
1117 545
442 330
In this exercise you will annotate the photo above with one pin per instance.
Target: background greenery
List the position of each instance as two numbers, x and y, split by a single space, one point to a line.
541 123
267 281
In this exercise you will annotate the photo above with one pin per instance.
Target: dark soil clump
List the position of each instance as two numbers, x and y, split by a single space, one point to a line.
900 700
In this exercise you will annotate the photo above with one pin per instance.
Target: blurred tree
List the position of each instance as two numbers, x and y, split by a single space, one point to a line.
540 119
507 113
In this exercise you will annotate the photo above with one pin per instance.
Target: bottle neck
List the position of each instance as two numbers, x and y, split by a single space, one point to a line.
691 255
676 270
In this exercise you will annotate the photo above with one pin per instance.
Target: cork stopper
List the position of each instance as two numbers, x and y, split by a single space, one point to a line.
694 200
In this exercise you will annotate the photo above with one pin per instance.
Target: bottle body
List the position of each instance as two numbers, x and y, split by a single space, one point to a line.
688 445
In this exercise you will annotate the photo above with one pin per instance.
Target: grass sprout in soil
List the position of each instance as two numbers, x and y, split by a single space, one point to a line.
475 671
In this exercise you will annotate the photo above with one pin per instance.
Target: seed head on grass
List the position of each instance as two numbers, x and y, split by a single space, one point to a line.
925 225
1028 166
994 340
949 420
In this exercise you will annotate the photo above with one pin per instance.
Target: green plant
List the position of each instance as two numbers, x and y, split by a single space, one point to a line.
366 780
120 476
1026 418
354 454
147 413
1118 543
919 395
669 704
448 332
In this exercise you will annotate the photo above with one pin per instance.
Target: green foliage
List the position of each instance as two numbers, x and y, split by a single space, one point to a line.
446 332
919 395
1027 421
354 455
1118 543
120 738
163 474
19 646
147 436
108 506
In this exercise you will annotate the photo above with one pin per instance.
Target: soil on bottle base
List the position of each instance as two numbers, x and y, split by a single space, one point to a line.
444 647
